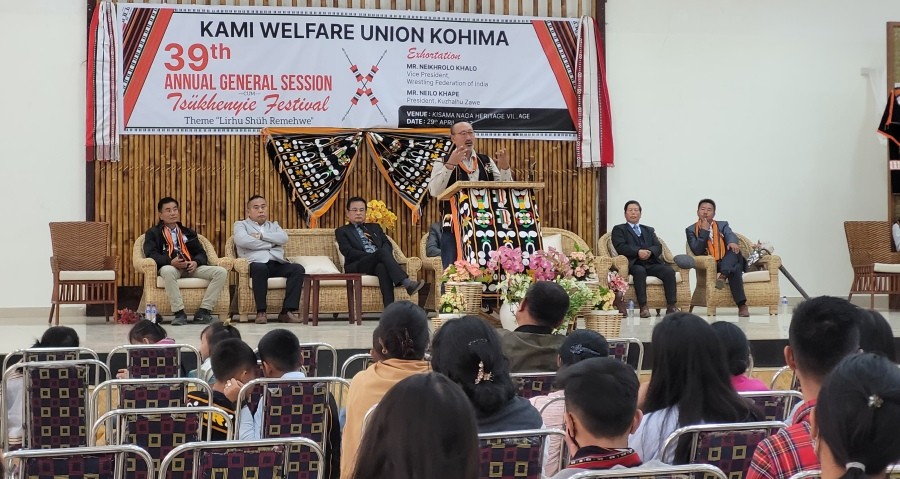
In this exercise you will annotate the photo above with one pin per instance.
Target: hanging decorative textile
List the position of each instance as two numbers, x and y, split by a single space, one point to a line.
594 143
103 115
313 165
405 158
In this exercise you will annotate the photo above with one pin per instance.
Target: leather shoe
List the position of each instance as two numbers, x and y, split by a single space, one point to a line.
415 287
672 309
288 317
645 312
744 311
261 318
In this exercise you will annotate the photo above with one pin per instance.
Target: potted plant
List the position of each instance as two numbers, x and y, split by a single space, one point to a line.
580 295
603 317
453 305
467 279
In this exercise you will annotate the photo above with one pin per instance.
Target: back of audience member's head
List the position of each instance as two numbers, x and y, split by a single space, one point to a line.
58 337
582 344
279 349
602 395
402 332
546 303
857 416
876 335
823 331
214 333
435 426
689 372
468 351
146 332
230 357
734 343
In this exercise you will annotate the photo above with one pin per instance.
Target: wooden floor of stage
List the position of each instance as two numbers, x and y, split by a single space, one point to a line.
768 334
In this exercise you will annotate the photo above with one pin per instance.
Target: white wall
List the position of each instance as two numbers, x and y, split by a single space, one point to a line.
759 105
42 170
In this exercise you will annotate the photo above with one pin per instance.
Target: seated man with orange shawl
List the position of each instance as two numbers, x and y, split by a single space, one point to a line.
715 238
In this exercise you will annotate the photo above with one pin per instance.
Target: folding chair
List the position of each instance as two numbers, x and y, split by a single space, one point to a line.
691 471
154 360
143 393
265 458
620 348
514 454
48 354
529 385
365 360
785 372
309 358
113 462
727 446
776 405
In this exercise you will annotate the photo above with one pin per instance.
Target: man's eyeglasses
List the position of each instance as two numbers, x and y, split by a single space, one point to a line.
357 210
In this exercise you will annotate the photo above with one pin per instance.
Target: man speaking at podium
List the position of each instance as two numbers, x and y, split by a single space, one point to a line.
463 164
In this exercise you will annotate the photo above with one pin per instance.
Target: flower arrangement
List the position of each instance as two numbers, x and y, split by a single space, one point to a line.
582 264
514 286
463 271
507 259
452 302
580 295
603 299
127 316
377 212
616 283
549 265
757 251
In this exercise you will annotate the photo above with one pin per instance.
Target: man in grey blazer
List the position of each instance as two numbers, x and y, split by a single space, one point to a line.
640 245
715 238
262 242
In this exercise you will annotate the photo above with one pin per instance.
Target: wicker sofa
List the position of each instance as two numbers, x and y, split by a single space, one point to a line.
656 295
876 266
761 287
332 293
192 289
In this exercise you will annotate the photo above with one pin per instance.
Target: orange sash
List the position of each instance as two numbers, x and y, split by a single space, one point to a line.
474 166
715 247
167 234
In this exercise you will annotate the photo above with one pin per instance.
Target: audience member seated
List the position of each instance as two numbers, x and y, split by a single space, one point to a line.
823 331
876 335
467 351
689 384
398 349
145 332
579 345
262 242
53 337
433 244
212 334
279 352
601 412
857 418
533 347
234 363
424 427
737 356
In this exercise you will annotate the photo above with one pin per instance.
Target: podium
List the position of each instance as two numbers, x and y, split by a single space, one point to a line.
487 215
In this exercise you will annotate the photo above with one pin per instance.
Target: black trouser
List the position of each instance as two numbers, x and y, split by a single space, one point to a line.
260 274
732 267
381 263
639 272
448 248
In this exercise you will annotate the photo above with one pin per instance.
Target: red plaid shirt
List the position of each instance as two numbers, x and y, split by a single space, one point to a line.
786 452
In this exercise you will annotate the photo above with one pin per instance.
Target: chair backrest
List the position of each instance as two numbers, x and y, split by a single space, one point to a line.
159 430
776 405
48 354
778 379
529 385
154 360
349 369
309 358
727 446
105 462
690 471
56 401
265 458
514 454
871 237
144 393
569 239
621 349
744 242
80 245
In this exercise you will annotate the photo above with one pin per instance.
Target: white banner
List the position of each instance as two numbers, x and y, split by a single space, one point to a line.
190 69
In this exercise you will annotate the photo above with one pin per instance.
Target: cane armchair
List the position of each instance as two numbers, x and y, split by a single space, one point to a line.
761 286
656 296
876 266
192 289
431 265
84 269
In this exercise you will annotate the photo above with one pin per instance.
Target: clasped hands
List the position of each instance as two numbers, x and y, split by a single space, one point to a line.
180 263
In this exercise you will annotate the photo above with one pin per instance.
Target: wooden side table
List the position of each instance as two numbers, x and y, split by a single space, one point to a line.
354 295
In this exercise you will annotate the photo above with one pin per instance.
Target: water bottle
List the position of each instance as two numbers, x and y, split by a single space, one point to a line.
783 305
630 308
148 310
152 313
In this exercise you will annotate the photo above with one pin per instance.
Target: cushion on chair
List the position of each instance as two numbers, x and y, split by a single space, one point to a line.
185 283
315 264
340 256
610 247
879 268
758 277
655 280
274 283
103 275
367 280
552 241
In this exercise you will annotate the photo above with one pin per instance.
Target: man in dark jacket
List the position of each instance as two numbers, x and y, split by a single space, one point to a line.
533 347
179 254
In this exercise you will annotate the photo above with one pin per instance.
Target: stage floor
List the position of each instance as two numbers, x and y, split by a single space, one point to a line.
768 334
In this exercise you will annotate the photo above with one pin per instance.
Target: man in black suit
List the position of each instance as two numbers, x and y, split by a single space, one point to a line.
640 245
367 250
715 238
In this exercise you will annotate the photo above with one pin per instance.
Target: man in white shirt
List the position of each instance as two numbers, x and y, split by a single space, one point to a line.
464 164
262 242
